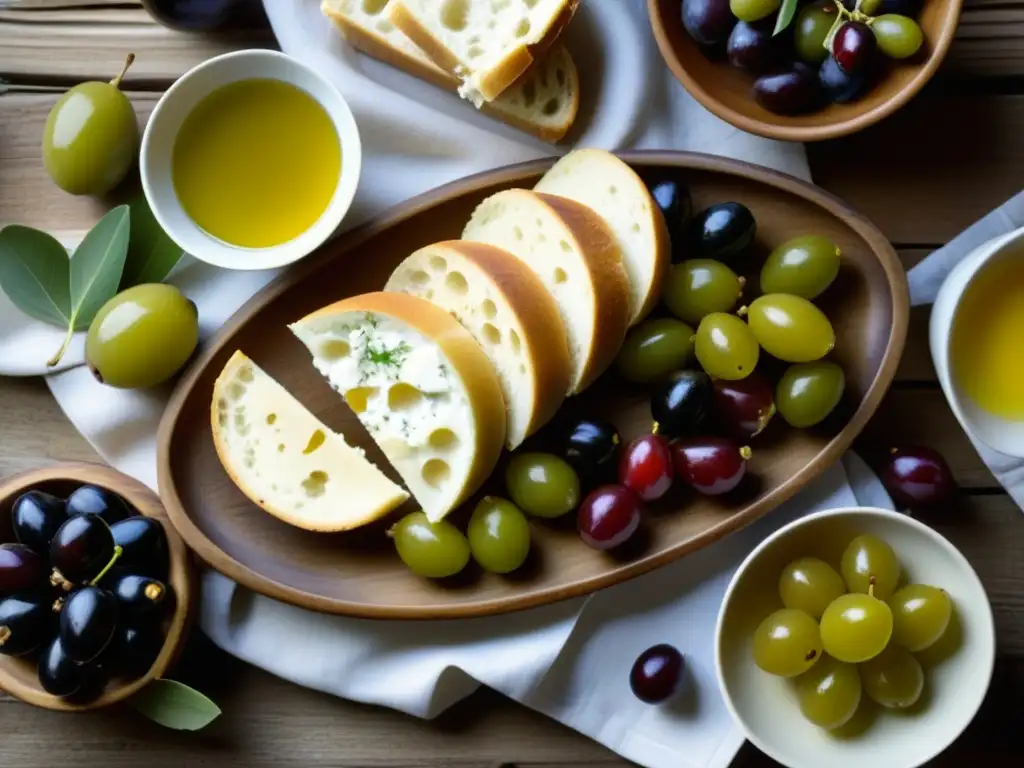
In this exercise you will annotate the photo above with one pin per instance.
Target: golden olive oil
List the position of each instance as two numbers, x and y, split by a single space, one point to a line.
987 351
256 163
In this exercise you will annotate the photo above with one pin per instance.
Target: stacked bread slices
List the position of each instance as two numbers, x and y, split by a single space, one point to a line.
472 346
503 55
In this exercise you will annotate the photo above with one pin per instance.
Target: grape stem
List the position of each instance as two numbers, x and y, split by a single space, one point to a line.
5 635
117 556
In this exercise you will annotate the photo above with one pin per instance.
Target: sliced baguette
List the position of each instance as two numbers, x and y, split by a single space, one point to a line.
286 461
575 255
604 183
507 309
487 44
421 386
544 102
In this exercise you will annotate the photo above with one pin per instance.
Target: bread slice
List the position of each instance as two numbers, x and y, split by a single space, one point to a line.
487 44
575 255
604 183
510 313
544 102
286 461
421 386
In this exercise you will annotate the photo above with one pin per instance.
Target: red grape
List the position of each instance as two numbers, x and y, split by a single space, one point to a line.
646 467
655 674
746 406
853 46
608 516
917 476
20 569
712 465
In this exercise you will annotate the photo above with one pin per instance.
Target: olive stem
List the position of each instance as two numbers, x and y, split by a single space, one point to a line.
117 556
5 635
63 347
116 82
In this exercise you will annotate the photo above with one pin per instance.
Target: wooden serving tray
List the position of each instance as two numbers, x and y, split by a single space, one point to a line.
359 573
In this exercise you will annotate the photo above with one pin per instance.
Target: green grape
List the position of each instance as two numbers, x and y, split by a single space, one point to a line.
829 693
804 266
899 37
433 550
698 287
726 347
810 30
791 328
787 643
856 627
542 484
920 615
810 585
867 557
893 678
752 10
809 392
654 349
499 535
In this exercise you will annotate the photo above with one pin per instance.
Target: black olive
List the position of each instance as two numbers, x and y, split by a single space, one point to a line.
681 404
674 201
592 448
82 548
91 500
143 545
95 677
36 517
193 15
87 623
58 674
136 595
24 623
20 569
722 232
134 648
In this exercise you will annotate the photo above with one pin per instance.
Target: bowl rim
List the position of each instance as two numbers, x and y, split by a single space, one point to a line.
226 255
930 533
182 576
806 133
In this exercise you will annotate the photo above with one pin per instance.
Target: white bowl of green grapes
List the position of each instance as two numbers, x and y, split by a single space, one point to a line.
853 638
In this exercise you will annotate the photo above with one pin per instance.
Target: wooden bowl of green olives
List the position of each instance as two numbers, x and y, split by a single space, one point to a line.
96 587
835 68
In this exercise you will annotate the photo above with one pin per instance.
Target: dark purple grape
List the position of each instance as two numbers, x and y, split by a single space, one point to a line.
673 198
788 91
82 548
839 86
909 8
744 407
134 649
95 677
646 467
751 46
608 517
24 623
656 673
137 596
592 448
681 404
58 674
87 623
92 500
195 15
721 231
20 569
143 545
917 476
712 465
36 516
853 47
708 21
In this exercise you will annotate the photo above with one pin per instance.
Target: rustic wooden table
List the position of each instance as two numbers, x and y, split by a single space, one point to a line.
922 176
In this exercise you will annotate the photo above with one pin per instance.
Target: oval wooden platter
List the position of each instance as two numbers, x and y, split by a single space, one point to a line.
358 573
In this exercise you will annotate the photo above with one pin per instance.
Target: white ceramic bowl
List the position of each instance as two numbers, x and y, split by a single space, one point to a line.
1002 435
957 674
162 130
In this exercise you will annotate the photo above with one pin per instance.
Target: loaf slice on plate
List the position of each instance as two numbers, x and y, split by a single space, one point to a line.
575 255
420 384
604 183
487 44
544 102
286 461
507 309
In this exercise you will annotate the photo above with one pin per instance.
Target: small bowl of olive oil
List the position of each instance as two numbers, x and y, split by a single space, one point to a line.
251 160
977 341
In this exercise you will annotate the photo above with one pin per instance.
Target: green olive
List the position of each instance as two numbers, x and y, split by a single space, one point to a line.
804 266
142 336
725 347
791 328
696 288
91 138
808 392
542 484
654 349
499 535
812 26
899 37
753 10
433 550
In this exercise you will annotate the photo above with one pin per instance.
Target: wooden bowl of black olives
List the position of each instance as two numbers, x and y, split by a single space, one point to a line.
96 587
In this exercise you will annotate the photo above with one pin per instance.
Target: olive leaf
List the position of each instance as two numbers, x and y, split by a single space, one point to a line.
34 273
786 14
174 705
151 252
95 271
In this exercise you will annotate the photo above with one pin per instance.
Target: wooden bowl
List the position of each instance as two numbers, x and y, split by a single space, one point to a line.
728 92
18 676
358 573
